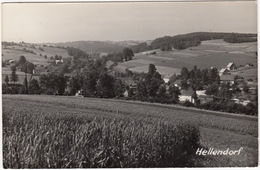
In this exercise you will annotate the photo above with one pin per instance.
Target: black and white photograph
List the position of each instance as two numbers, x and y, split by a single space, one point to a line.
136 84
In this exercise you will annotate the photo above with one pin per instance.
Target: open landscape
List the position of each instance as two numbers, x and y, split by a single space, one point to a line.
129 85
211 53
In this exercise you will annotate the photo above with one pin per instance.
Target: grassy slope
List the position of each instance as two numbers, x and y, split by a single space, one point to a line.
34 58
210 53
218 132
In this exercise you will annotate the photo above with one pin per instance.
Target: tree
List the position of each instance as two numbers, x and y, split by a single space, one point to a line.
6 80
21 61
162 91
105 86
14 76
34 87
184 84
213 75
118 87
212 89
174 92
195 97
25 84
74 85
27 67
57 57
61 84
128 54
53 84
204 76
224 91
155 83
185 73
246 89
172 79
152 69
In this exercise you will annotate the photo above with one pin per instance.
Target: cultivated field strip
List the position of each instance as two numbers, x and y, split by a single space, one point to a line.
39 134
240 125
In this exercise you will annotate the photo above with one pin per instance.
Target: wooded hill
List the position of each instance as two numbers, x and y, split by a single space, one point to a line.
184 41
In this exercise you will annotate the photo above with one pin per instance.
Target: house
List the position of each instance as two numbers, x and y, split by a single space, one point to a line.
131 86
203 97
177 83
58 61
11 61
224 71
227 79
231 66
186 95
166 78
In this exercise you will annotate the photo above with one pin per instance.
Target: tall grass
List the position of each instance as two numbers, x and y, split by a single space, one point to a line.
56 140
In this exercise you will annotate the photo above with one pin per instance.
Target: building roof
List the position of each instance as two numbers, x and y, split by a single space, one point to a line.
201 92
227 78
223 70
229 65
188 92
128 81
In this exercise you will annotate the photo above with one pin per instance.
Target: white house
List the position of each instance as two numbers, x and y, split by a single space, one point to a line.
227 79
224 71
186 95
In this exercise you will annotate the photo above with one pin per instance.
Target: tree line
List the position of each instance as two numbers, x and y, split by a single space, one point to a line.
184 41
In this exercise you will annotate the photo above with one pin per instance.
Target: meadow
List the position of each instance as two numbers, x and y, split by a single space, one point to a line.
211 53
59 131
14 53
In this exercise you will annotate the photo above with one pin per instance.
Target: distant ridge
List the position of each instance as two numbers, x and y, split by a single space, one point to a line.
184 41
99 46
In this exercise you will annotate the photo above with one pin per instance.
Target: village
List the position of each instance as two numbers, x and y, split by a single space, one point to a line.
245 89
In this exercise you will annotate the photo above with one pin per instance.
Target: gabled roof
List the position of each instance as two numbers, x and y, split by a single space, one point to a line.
229 65
223 70
201 92
188 92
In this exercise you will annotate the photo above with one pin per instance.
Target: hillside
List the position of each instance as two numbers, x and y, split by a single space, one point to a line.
210 53
185 41
32 52
99 46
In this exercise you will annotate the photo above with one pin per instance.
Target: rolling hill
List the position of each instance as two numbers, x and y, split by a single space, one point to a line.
210 53
99 46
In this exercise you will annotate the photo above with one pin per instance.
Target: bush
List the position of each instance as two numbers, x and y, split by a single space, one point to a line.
188 104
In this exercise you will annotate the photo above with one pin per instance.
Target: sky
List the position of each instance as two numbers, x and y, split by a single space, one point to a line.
63 22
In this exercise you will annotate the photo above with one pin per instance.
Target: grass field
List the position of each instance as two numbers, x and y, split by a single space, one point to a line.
218 131
210 53
15 54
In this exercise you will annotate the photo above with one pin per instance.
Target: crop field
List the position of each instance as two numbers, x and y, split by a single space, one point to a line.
59 131
210 53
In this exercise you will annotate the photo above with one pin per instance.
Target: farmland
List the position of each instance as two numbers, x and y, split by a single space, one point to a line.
210 53
14 53
45 117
